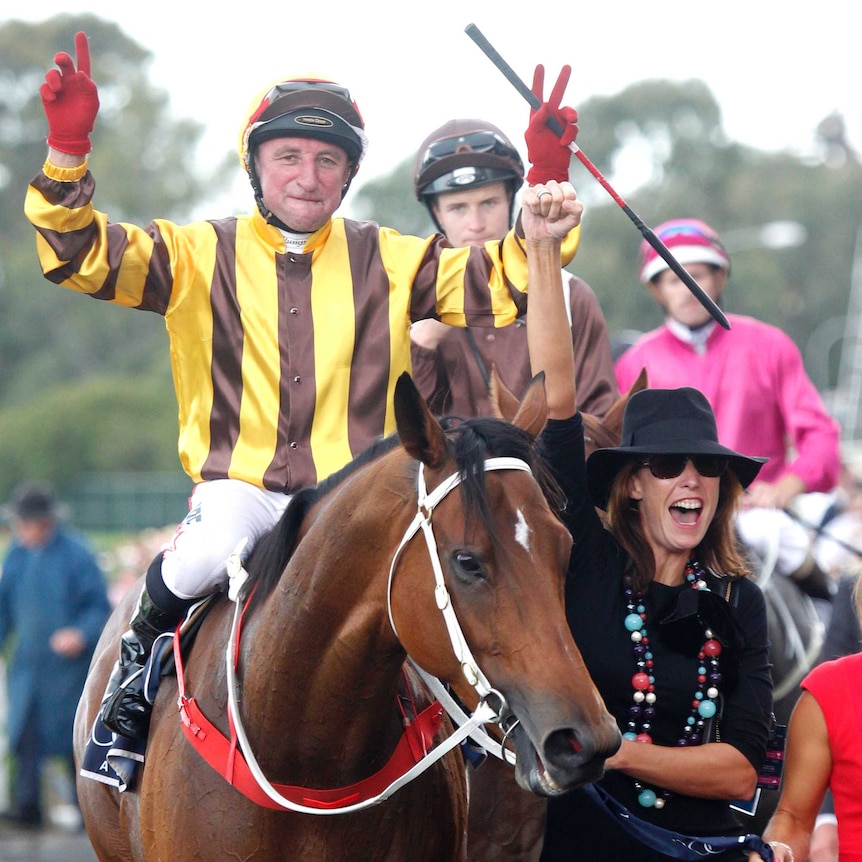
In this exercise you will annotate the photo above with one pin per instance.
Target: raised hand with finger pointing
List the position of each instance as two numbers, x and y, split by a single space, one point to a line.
71 101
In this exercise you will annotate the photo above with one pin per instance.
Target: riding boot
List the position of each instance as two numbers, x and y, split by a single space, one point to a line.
125 710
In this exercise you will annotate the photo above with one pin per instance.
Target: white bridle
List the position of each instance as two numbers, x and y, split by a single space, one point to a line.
467 726
426 503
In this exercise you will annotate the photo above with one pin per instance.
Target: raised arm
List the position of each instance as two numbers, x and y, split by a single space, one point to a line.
549 211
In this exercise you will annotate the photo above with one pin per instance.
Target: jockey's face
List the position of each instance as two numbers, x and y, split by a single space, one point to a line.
302 180
474 216
679 303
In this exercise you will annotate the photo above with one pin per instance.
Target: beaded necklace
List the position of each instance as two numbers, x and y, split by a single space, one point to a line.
642 712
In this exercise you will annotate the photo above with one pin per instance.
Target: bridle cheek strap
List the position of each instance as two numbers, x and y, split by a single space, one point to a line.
426 503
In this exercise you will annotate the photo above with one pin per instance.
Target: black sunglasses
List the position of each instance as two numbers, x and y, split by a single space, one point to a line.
671 466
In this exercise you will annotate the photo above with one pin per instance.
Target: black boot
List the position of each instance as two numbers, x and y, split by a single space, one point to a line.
124 708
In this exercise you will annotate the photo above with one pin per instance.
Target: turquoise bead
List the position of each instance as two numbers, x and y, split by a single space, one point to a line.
647 798
707 708
633 622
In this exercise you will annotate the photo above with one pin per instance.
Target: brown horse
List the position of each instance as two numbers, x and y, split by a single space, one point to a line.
320 667
505 823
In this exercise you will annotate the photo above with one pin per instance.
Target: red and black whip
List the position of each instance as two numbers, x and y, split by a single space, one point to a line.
648 234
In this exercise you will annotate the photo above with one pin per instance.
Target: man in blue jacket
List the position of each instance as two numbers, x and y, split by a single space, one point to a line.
53 605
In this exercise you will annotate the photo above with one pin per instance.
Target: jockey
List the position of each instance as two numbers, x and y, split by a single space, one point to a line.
288 327
753 376
771 408
467 174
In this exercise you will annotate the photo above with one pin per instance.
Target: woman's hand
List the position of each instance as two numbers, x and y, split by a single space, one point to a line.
549 211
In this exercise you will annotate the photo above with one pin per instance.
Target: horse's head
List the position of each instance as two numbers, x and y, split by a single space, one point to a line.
503 557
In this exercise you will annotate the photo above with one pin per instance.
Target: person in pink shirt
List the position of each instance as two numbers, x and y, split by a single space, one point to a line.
752 374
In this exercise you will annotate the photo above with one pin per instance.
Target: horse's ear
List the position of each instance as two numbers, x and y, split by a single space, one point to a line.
420 433
533 411
503 401
639 384
613 420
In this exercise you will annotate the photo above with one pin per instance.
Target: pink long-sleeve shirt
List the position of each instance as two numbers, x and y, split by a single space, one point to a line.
764 401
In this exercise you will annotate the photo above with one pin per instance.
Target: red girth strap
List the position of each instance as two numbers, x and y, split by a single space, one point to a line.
225 757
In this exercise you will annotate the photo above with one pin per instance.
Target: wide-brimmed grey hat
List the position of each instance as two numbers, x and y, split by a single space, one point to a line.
665 422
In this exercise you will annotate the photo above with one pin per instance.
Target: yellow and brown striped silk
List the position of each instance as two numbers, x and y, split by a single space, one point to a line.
284 364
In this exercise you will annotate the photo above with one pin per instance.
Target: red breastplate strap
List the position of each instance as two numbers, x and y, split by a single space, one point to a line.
224 755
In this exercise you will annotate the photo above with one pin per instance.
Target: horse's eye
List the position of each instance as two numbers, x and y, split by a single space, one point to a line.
468 564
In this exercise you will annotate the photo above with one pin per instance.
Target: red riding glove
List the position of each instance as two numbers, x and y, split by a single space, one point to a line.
547 151
71 101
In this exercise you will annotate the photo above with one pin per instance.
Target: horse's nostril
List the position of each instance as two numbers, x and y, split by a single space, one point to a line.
563 744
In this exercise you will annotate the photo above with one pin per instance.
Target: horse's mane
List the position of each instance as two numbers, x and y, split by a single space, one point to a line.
471 441
272 552
474 440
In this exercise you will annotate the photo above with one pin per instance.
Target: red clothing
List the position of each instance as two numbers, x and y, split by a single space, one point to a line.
837 687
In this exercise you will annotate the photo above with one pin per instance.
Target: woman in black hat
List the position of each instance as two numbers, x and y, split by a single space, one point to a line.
671 630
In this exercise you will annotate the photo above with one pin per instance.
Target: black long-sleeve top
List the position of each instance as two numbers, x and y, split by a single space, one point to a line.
596 608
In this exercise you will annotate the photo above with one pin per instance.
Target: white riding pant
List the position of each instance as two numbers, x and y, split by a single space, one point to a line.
222 512
780 541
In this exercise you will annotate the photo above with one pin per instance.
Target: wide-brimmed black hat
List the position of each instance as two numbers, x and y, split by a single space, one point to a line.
664 422
33 501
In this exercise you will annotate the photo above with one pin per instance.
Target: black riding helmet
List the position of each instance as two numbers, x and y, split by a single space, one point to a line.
302 108
466 154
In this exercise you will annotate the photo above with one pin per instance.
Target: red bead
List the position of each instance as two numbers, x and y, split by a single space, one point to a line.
712 648
644 737
640 682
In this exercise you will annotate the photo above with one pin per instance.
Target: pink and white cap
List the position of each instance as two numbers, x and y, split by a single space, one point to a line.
689 241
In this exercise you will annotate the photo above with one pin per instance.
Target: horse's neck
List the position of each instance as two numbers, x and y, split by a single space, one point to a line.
320 652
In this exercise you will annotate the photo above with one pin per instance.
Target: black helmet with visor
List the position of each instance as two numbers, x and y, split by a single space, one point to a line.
465 154
303 108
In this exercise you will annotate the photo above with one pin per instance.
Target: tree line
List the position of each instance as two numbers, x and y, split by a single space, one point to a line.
87 388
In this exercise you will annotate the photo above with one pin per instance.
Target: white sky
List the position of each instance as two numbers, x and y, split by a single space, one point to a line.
775 68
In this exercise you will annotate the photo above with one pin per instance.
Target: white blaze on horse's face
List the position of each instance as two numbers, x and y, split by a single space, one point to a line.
522 532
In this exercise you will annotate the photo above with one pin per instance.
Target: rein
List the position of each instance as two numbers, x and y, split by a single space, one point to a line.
234 758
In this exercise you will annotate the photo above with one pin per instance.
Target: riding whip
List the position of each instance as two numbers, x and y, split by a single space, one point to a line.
648 234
